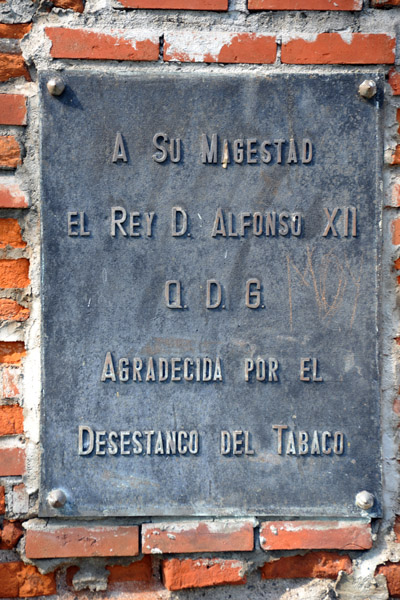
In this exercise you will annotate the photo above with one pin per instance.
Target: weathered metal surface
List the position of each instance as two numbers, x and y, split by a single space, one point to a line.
298 308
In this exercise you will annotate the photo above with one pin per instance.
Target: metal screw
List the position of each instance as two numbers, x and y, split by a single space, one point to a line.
365 500
56 498
367 88
56 86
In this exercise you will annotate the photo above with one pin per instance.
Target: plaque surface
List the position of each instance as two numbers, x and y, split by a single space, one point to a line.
210 270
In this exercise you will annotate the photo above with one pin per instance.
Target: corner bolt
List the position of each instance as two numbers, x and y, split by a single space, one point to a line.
367 89
365 500
55 86
56 498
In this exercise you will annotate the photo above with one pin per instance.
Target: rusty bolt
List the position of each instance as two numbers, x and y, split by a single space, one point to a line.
56 498
56 86
367 88
365 500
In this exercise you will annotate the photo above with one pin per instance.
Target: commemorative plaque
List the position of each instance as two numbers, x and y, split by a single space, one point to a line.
210 279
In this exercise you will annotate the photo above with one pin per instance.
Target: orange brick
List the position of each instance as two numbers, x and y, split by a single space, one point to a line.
12 66
2 500
140 570
9 587
332 49
11 419
201 572
392 573
14 273
220 5
32 583
64 542
10 153
10 533
324 565
14 31
79 43
297 535
305 4
10 382
12 462
11 353
10 310
11 196
12 109
395 226
247 48
76 5
198 536
10 234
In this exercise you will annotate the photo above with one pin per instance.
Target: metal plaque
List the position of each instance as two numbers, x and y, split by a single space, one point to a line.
210 270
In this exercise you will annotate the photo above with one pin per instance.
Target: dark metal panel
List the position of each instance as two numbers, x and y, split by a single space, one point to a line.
104 293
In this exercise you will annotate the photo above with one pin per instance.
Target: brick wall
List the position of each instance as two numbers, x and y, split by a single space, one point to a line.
149 558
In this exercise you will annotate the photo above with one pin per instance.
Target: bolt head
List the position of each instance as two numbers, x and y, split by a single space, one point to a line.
56 498
367 88
56 86
365 500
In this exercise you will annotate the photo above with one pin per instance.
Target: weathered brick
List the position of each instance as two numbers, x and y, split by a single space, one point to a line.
395 227
220 47
12 66
324 565
394 81
14 273
76 5
11 353
396 156
296 535
12 462
9 586
10 533
333 48
11 382
11 196
20 499
14 31
12 109
396 193
24 581
219 5
10 152
305 4
140 570
202 572
79 43
11 420
10 234
10 310
63 542
392 573
384 3
197 536
2 500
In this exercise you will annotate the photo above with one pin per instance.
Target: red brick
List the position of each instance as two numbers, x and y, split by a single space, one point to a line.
14 273
220 47
392 573
2 500
333 49
305 4
197 536
79 43
9 586
14 31
64 542
12 66
11 532
220 5
32 583
396 156
76 5
12 462
297 535
10 310
384 3
394 81
140 570
10 234
396 194
395 227
10 152
11 382
11 196
11 419
396 528
11 353
323 565
12 109
201 572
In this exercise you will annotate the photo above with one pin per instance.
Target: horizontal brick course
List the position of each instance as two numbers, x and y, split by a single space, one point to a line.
219 5
14 31
11 420
297 535
324 565
14 273
197 536
220 47
141 570
65 542
12 109
305 4
10 234
76 5
11 353
333 49
12 66
91 45
12 462
202 572
11 196
18 580
10 310
10 152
